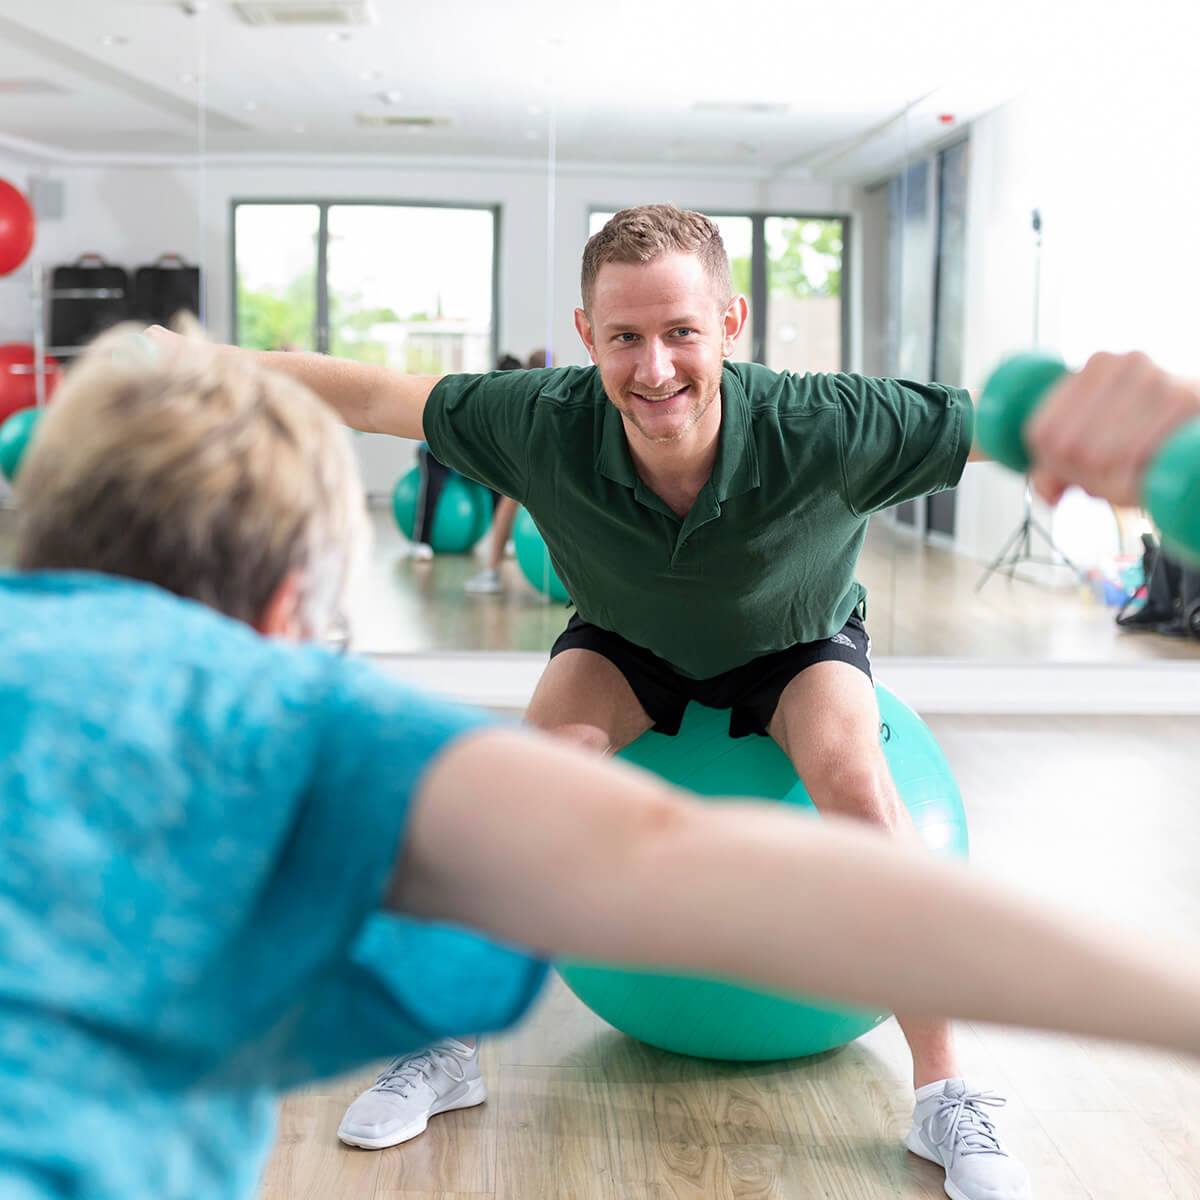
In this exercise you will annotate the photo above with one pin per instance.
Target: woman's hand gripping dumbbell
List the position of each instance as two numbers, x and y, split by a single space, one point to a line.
1121 428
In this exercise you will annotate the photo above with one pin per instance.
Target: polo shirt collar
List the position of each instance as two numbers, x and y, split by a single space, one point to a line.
736 468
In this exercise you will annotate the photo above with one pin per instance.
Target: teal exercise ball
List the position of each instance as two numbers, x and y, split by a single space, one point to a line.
713 1019
534 559
15 434
464 511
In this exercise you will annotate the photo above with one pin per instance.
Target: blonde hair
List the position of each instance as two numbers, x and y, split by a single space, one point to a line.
194 470
640 235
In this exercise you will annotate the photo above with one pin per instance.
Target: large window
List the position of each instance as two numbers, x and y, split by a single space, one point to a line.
804 293
927 242
792 269
408 286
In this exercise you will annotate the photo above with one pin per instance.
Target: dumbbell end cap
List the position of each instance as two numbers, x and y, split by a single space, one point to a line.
1171 492
1012 392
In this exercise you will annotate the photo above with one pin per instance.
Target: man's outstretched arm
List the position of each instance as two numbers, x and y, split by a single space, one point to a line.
365 396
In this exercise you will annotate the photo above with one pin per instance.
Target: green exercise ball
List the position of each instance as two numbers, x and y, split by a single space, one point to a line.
14 437
464 511
534 559
711 1019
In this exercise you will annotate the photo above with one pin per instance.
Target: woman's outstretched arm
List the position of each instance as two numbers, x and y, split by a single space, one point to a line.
556 849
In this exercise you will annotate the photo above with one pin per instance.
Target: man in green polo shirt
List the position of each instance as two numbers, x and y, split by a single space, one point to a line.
706 518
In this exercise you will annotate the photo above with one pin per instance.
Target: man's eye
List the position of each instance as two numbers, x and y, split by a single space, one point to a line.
683 331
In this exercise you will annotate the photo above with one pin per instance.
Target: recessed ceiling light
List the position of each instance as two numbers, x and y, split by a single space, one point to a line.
757 108
419 121
339 35
114 39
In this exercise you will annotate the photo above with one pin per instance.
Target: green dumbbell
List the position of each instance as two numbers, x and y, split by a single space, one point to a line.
1170 486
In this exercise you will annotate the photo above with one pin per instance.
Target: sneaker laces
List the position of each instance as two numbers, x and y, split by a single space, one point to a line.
409 1069
961 1118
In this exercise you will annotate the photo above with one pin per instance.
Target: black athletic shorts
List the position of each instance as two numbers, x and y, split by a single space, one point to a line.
750 691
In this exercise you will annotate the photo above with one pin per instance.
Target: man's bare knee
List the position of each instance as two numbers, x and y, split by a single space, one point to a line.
862 791
589 737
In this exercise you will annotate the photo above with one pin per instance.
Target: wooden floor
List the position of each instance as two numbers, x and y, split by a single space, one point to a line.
1096 813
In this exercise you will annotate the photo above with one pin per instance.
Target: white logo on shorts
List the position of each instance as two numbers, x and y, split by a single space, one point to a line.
842 640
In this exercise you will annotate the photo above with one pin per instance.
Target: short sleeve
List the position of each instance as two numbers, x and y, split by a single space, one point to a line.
346 980
481 426
900 440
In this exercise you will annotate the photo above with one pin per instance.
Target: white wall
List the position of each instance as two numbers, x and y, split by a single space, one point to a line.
1108 155
132 214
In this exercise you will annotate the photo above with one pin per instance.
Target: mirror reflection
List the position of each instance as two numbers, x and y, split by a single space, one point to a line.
334 189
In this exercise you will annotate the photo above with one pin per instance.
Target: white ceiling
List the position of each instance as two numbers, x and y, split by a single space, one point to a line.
840 90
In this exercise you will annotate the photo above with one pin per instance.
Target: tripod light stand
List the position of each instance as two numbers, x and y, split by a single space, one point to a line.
1019 546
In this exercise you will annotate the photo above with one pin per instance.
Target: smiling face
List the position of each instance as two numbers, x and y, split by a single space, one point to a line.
658 332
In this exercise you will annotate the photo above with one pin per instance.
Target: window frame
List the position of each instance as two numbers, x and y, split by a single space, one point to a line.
323 205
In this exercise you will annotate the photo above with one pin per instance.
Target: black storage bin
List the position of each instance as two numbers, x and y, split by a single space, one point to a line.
164 289
86 297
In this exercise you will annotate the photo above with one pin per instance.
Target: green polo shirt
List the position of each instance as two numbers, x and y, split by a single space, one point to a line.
766 557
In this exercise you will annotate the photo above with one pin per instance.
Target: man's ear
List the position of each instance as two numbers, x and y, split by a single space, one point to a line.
281 617
584 326
734 321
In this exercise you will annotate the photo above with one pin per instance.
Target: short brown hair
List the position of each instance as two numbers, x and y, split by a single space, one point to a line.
190 469
640 235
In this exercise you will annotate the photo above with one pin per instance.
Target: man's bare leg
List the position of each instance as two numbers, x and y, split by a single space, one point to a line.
583 698
827 723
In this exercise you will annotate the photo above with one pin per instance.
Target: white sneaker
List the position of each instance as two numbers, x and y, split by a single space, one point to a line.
421 551
484 583
950 1129
410 1090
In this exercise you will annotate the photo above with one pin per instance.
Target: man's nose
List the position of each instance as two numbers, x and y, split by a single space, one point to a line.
655 365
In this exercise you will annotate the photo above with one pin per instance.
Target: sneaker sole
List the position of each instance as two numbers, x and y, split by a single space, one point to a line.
476 1093
917 1146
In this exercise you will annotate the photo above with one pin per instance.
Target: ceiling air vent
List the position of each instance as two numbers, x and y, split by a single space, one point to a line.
395 121
293 14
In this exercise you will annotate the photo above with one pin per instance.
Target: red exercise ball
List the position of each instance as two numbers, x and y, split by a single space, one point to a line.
19 389
16 228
